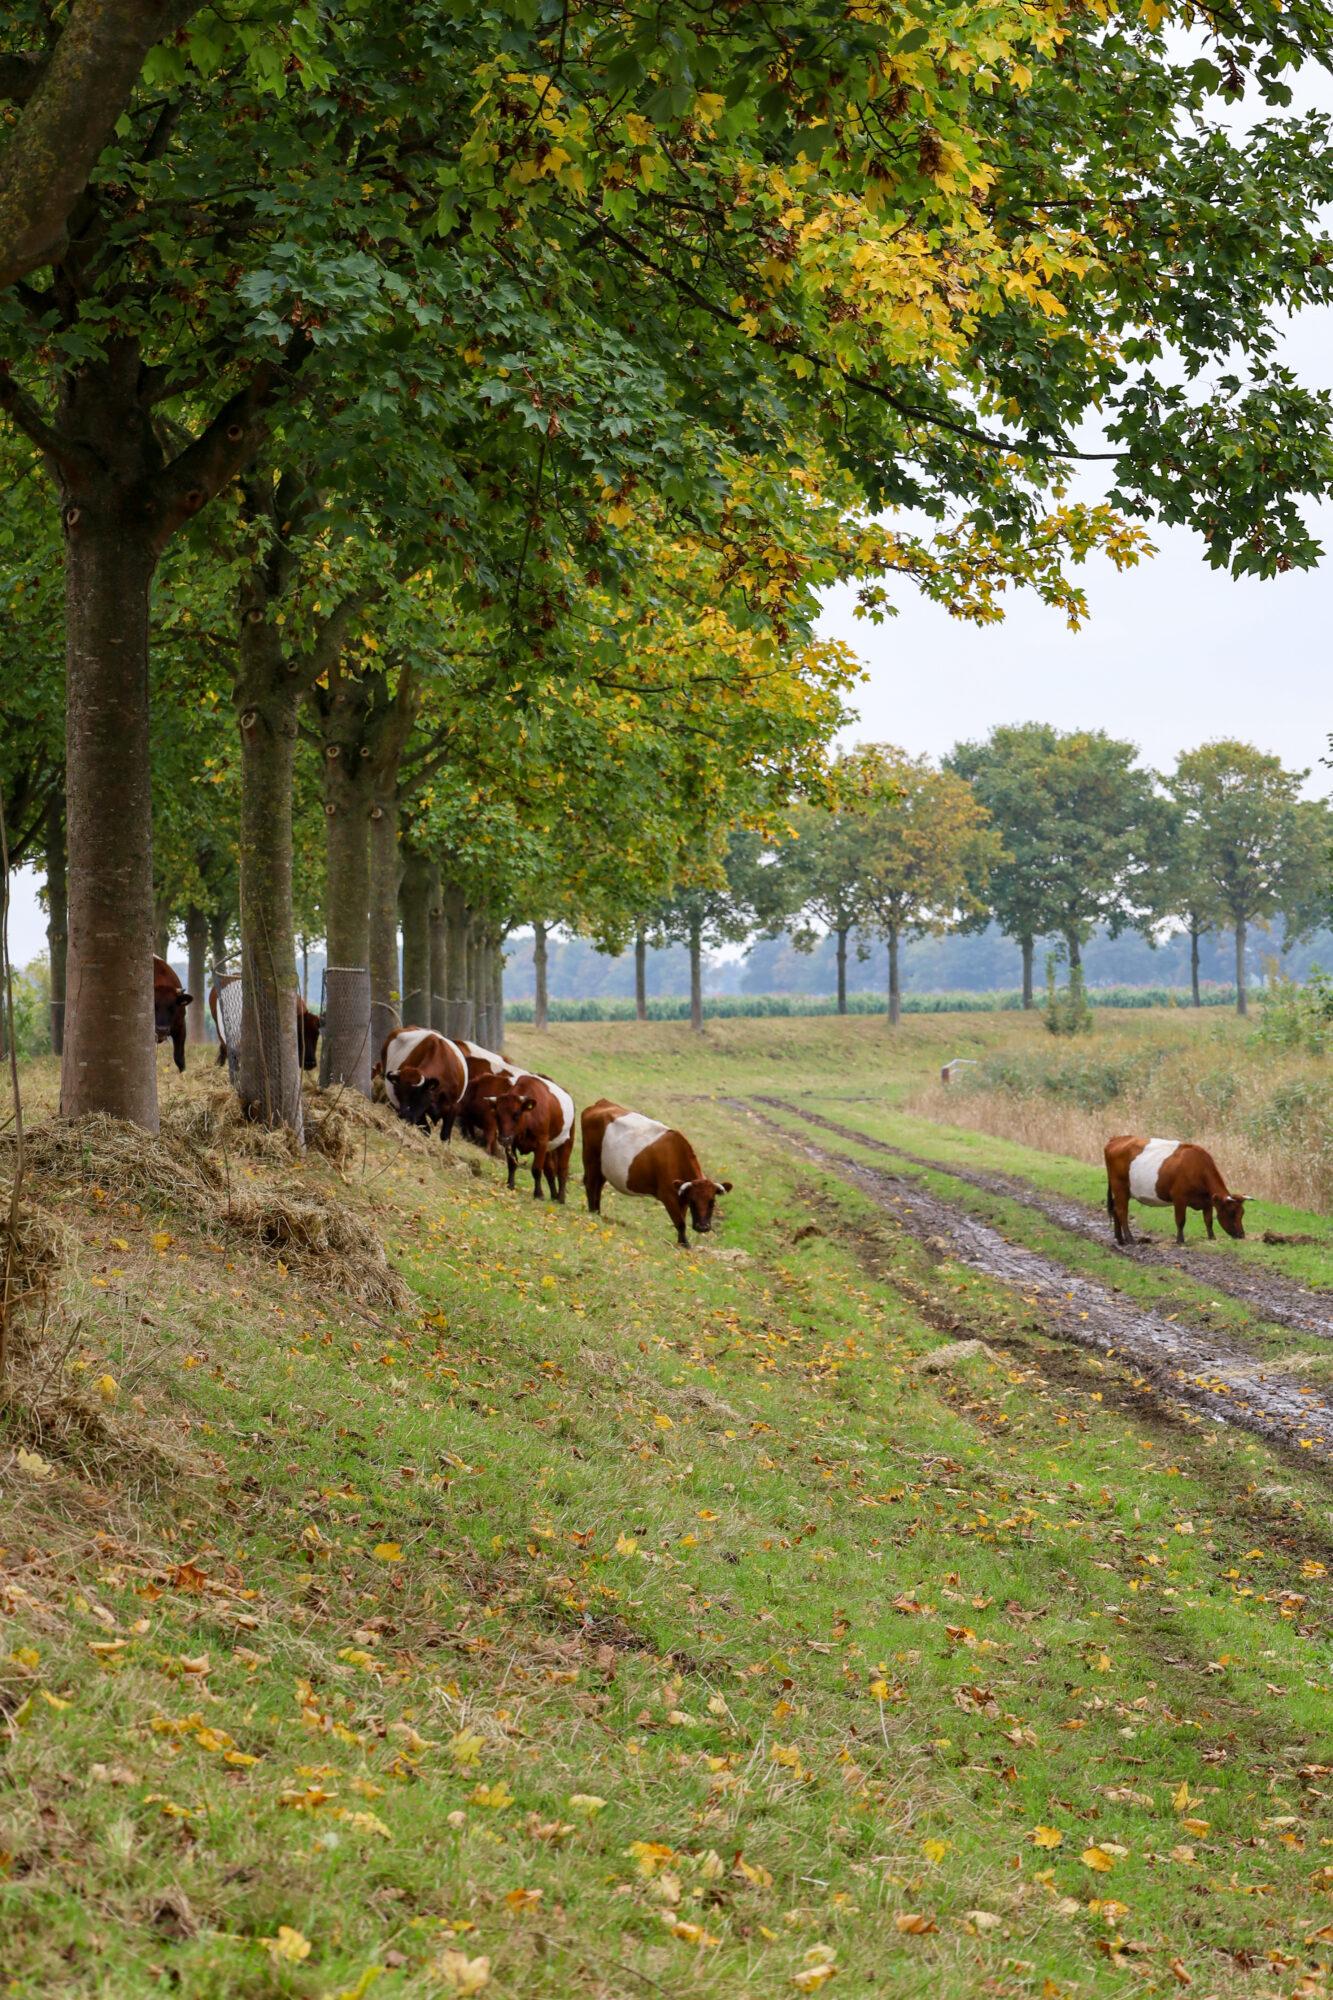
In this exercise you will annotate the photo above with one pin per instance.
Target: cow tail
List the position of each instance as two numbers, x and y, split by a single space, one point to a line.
1110 1199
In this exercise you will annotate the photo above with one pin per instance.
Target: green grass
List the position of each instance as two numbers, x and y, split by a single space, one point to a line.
694 1536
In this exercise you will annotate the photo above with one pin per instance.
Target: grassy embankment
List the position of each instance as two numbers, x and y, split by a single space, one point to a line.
632 1621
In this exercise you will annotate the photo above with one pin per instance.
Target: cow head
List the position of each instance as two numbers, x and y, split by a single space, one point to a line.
310 1027
1231 1214
418 1096
511 1108
169 1007
700 1197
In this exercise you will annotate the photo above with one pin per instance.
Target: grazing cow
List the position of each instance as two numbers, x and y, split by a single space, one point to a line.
1168 1173
534 1115
425 1077
639 1156
170 1001
224 1004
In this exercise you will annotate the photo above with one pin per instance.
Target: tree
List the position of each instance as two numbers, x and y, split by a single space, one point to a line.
928 849
823 864
1241 808
1083 827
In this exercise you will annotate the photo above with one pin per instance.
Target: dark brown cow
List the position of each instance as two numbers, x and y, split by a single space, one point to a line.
534 1115
636 1155
425 1077
308 1022
1168 1173
170 1001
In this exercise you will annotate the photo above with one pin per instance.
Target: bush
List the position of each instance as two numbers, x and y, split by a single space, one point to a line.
32 1010
1297 1015
1066 1013
758 1006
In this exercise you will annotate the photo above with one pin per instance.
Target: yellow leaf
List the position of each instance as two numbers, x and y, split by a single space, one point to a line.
107 1388
650 1855
239 1757
662 1421
467 1747
913 1924
34 1465
388 1552
118 1242
625 1545
586 1803
26 1658
52 1700
811 1977
1098 1858
288 1945
1180 1799
462 1974
935 1850
690 1933
496 1796
162 1240
522 1899
1047 1836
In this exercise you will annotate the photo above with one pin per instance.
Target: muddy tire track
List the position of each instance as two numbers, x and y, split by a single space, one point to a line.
1220 1379
1276 1299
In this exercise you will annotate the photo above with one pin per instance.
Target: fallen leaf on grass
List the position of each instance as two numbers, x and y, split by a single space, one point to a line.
913 1924
935 1850
985 1920
1098 1859
649 1855
586 1803
34 1465
818 1973
496 1796
387 1552
1046 1836
460 1973
522 1899
689 1933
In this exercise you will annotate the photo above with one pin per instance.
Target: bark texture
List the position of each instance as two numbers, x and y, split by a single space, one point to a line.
1029 946
437 947
196 946
539 976
842 971
386 995
1195 997
895 997
348 796
414 909
1242 1003
640 976
696 980
457 984
57 916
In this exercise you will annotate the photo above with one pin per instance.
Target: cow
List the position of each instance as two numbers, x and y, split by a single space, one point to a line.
425 1077
170 1001
534 1115
308 1021
639 1156
1168 1173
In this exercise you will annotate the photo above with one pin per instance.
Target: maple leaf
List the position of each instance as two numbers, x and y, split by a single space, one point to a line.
913 1924
462 1974
1046 1836
1097 1858
288 1946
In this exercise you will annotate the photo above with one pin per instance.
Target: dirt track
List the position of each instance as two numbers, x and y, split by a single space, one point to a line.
1221 1379
1280 1300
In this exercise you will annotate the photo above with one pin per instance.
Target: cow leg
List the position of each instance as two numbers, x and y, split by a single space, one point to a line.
511 1160
677 1214
446 1128
1180 1222
1117 1207
1208 1218
594 1180
222 1053
538 1168
178 1046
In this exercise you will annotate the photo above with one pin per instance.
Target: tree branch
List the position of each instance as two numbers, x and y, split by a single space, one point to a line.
26 416
228 443
69 114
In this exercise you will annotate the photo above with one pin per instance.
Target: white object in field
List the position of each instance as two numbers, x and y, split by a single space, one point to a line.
956 1062
231 999
623 1141
1144 1169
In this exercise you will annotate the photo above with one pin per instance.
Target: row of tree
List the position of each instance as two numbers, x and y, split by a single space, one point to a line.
1047 834
429 428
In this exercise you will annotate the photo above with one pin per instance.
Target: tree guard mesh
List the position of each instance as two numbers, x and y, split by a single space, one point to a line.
345 1051
457 1018
231 1004
417 1009
269 1046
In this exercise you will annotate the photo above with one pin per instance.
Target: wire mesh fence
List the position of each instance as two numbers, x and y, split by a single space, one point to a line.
345 1043
261 1033
231 1005
417 1009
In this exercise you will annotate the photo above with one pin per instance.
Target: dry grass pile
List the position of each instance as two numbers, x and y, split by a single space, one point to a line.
312 1230
1266 1115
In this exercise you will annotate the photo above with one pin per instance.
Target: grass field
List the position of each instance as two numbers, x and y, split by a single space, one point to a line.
606 1620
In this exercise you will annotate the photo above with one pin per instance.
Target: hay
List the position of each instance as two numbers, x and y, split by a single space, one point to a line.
313 1232
70 1429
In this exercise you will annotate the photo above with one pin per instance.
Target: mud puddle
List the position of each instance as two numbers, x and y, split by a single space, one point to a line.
1276 1299
1218 1378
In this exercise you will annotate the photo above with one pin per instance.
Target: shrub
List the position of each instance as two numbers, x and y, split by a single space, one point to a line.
1066 1013
1297 1015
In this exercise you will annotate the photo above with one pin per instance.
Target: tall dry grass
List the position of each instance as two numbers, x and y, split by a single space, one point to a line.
1265 1114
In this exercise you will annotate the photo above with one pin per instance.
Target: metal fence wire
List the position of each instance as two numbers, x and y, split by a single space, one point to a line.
263 1057
345 1054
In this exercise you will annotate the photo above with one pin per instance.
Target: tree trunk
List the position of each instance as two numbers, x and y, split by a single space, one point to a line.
640 976
1075 954
498 994
218 925
539 973
696 981
438 952
1029 945
895 998
476 981
57 918
348 1055
1195 999
1241 1003
386 991
196 945
109 1059
267 702
414 903
457 985
842 971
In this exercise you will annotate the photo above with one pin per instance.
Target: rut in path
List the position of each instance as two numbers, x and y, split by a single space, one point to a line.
1279 1300
1221 1379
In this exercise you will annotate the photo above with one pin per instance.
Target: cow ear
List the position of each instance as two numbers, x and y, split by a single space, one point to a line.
723 1187
527 1103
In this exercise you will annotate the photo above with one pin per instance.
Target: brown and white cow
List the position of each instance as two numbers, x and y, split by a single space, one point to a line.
1168 1173
636 1155
534 1115
170 1001
425 1077
307 1020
